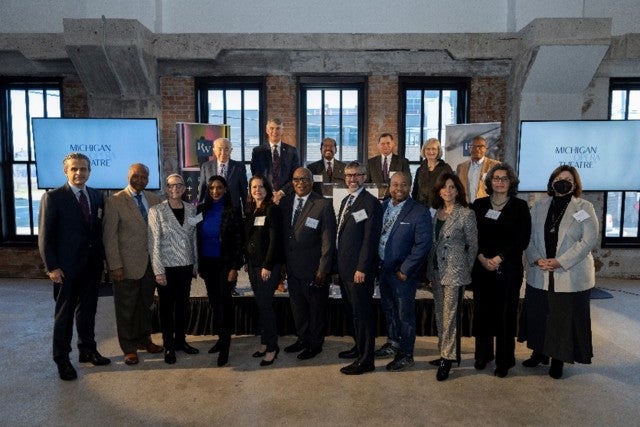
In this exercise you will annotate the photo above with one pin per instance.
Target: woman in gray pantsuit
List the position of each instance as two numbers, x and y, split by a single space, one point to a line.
455 244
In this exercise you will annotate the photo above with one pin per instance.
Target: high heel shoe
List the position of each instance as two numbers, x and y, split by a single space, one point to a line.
443 370
259 353
215 348
435 362
270 362
555 371
223 357
535 359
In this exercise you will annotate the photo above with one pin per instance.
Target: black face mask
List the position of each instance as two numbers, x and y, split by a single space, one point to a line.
562 187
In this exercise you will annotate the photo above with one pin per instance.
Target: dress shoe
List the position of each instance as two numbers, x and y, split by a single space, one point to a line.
501 371
94 358
386 351
170 357
259 353
480 365
223 357
151 348
443 370
66 371
400 362
435 362
357 369
131 359
535 360
349 354
295 347
309 353
188 349
264 362
215 348
555 371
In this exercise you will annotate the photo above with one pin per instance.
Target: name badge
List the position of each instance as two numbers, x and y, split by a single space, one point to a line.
259 221
361 215
195 219
312 223
317 178
581 215
492 214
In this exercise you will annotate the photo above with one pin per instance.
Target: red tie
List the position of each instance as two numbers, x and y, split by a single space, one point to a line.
330 171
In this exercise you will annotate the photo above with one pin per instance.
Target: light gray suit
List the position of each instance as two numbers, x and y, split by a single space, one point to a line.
171 244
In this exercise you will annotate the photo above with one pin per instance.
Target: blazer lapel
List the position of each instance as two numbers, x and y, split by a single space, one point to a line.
305 212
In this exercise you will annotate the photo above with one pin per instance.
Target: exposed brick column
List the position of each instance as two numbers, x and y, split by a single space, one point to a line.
281 102
178 105
382 110
488 103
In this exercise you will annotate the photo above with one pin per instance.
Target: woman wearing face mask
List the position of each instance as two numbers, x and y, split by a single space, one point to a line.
560 275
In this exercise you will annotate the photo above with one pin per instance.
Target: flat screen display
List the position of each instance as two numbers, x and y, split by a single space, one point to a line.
605 153
112 145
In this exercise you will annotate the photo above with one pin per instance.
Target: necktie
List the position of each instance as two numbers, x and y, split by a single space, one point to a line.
343 214
275 168
297 212
329 171
223 170
385 170
84 205
143 210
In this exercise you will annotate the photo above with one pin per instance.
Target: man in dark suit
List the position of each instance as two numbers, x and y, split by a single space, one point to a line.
327 169
124 233
382 167
405 241
358 235
276 160
309 227
70 244
232 171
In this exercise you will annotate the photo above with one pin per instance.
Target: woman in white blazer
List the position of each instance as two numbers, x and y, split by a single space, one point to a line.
560 275
172 246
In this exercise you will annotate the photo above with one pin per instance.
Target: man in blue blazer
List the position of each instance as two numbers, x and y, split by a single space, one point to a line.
358 235
280 171
405 240
309 224
70 244
232 171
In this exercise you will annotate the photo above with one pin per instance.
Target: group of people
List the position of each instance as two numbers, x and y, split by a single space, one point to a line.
454 231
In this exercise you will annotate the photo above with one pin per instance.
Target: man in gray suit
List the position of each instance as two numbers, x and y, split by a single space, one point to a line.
309 227
327 169
124 233
232 171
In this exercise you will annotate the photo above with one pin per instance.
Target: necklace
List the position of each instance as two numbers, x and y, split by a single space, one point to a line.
498 206
554 220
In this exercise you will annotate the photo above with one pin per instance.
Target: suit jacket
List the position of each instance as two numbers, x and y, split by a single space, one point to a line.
463 173
318 168
65 239
358 238
374 168
171 244
264 243
576 240
409 239
289 161
309 245
124 233
236 177
455 247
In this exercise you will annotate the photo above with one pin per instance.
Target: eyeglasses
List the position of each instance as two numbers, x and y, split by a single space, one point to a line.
500 179
478 146
172 186
353 175
305 179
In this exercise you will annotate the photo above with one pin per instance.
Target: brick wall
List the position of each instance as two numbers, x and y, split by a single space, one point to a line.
281 102
74 98
178 105
488 101
382 108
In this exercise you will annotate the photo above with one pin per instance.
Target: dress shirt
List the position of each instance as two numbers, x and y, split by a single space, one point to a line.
76 192
144 199
388 221
475 168
295 205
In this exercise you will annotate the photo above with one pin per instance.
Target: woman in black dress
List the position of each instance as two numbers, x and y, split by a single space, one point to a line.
263 251
504 226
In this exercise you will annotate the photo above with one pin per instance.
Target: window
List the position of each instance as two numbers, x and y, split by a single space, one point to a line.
332 108
427 106
238 104
19 103
621 207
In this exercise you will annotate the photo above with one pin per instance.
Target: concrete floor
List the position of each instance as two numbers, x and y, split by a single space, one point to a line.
291 392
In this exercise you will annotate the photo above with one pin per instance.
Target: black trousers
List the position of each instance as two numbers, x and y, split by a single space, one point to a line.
360 298
219 291
76 298
263 292
173 305
309 307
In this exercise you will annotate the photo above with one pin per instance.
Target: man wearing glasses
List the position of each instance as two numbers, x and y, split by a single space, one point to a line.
309 243
473 171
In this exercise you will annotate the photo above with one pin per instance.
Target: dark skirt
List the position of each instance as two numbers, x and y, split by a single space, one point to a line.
557 324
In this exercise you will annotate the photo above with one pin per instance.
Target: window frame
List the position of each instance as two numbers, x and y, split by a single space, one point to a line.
9 236
358 83
626 84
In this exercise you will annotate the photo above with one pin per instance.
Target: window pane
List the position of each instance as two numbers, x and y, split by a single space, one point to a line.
314 124
19 125
348 149
631 201
413 112
612 218
234 120
53 103
449 108
216 107
251 121
618 102
634 105
21 200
